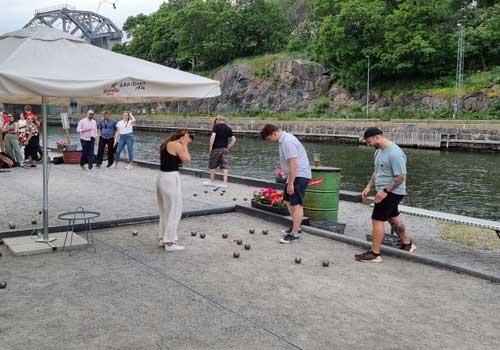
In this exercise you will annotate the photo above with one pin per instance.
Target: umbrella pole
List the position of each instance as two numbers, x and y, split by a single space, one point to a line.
45 211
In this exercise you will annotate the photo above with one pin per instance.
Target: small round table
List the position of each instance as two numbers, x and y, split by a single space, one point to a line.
79 217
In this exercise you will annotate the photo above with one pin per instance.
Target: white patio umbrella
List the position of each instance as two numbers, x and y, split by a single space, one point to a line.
42 65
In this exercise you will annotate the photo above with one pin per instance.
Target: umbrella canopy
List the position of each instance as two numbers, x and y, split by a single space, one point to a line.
42 65
41 61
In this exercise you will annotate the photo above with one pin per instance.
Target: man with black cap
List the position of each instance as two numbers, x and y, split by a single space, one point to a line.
389 179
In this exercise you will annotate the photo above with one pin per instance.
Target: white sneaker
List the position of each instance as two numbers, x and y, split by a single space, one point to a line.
129 166
222 185
115 165
83 167
173 247
210 183
161 244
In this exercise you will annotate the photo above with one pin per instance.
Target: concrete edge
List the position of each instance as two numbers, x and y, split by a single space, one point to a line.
118 222
364 244
349 196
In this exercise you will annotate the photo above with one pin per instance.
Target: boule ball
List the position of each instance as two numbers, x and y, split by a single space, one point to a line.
215 189
0 254
193 233
135 233
235 199
202 235
245 199
265 232
247 246
239 241
12 225
325 263
205 191
1 241
236 254
195 194
298 260
252 231
3 284
222 193
224 235
34 222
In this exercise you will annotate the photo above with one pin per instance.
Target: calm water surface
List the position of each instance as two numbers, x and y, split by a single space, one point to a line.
460 183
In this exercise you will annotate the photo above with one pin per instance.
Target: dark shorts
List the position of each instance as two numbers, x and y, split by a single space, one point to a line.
218 158
388 208
297 198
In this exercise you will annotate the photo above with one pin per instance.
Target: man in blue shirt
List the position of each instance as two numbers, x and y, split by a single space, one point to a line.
389 179
106 130
295 164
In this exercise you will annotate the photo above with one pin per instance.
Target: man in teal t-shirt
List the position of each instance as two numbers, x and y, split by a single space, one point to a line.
389 179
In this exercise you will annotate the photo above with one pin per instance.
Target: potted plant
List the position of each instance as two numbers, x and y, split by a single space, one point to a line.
60 145
269 199
280 176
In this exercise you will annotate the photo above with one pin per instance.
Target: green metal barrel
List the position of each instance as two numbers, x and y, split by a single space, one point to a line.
321 201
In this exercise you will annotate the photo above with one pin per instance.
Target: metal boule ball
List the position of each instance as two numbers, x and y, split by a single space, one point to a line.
215 189
265 232
222 193
235 199
195 194
135 233
34 222
224 235
205 191
298 260
202 235
252 231
239 241
247 246
12 225
325 263
245 199
236 254
3 284
193 233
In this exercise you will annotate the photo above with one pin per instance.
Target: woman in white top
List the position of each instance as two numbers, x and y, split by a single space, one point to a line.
124 136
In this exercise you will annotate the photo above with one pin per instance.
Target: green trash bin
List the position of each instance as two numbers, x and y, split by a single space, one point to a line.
321 201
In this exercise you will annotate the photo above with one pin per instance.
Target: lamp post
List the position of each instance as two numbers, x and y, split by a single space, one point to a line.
107 2
368 87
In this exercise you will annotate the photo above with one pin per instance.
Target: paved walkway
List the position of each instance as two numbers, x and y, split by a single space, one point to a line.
118 193
133 295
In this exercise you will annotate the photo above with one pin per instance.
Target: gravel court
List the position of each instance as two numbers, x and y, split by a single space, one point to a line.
347 305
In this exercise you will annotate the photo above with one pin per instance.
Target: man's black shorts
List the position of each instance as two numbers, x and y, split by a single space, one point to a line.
388 208
297 198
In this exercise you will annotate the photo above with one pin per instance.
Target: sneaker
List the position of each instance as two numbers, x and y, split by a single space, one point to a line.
110 165
368 256
161 244
222 185
288 239
173 247
210 183
115 165
129 166
410 247
286 232
83 167
98 166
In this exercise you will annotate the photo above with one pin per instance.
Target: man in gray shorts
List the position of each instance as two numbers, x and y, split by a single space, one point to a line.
221 141
389 179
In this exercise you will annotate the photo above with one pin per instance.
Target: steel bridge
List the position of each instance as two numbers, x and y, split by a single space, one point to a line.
90 26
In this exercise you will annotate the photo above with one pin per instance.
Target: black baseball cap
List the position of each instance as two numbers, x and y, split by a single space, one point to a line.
372 132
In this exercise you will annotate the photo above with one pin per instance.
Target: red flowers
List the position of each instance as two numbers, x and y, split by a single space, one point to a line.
269 196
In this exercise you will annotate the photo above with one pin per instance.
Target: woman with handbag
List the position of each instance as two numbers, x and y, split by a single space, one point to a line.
173 153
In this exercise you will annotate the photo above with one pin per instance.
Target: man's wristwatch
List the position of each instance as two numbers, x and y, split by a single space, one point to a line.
385 190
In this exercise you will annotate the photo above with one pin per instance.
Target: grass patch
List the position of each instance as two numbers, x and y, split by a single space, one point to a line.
258 63
469 236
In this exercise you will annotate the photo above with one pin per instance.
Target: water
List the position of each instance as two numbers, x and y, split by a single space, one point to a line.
460 183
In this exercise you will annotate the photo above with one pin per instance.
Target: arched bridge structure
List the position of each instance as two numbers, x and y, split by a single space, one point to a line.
90 26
